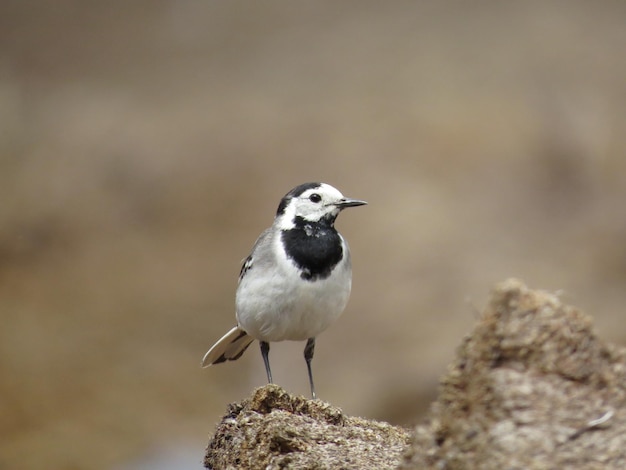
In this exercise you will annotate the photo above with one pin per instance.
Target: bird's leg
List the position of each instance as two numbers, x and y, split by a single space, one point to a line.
265 351
309 349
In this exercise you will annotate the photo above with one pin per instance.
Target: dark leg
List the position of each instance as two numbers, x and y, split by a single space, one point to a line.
265 351
309 349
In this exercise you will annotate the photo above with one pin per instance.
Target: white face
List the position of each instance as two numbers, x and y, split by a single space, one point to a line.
312 205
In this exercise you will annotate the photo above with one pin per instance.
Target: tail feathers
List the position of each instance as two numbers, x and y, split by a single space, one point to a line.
230 347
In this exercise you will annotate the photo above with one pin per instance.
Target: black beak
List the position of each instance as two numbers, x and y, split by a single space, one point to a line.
347 202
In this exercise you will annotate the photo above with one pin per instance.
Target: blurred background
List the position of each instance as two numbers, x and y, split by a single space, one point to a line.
144 146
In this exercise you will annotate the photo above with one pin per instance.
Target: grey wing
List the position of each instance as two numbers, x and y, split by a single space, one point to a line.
260 246
247 264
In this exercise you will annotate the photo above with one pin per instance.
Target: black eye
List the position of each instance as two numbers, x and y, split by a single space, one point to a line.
315 197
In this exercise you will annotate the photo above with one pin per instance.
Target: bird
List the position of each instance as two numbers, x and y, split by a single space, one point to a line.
296 281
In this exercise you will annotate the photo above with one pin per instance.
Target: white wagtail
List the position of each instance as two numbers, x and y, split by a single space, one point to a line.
296 281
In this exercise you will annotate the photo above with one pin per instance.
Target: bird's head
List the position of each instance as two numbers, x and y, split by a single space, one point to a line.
312 202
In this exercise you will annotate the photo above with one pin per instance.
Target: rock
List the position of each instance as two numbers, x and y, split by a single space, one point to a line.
531 388
273 429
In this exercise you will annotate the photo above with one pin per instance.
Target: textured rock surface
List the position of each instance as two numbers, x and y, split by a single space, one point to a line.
531 387
273 429
525 392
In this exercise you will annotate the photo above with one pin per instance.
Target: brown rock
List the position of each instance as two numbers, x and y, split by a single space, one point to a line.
273 429
531 387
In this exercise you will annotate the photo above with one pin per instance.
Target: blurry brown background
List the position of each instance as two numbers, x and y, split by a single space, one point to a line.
144 145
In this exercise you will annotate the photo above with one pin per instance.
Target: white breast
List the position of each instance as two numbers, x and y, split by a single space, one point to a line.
275 304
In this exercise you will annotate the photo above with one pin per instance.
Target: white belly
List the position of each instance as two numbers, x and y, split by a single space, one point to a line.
281 306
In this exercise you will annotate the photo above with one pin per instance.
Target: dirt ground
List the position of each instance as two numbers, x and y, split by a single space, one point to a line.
145 145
